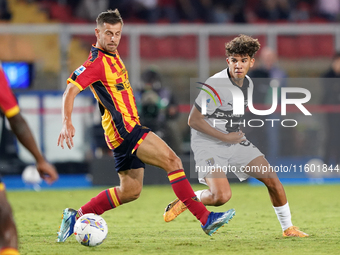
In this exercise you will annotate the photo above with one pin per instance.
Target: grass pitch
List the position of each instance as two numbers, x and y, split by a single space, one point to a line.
138 227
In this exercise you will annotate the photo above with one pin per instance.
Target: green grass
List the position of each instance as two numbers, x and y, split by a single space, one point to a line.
138 227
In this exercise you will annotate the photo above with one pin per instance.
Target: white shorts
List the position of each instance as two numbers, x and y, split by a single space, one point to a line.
228 157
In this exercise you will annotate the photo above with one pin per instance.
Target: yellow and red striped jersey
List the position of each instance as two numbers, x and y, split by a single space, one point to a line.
107 77
8 103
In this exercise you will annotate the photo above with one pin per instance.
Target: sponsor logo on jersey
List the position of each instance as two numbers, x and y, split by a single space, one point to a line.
80 70
208 92
119 86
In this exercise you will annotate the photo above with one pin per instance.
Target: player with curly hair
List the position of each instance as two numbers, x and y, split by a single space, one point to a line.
216 146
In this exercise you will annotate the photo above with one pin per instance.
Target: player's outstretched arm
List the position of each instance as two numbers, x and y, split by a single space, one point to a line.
68 131
23 133
196 121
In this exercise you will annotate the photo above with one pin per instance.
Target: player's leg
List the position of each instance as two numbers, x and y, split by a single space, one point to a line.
277 194
129 189
269 178
219 193
130 170
155 151
8 232
131 184
210 173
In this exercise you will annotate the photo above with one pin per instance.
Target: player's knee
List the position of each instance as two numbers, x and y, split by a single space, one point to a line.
130 193
135 192
134 196
173 162
220 198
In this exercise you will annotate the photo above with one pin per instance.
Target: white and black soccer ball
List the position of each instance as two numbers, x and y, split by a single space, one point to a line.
30 175
90 229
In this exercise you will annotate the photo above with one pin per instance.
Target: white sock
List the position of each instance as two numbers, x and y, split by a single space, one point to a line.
284 216
198 194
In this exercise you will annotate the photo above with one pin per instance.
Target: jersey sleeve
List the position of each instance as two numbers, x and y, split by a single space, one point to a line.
207 98
8 102
86 74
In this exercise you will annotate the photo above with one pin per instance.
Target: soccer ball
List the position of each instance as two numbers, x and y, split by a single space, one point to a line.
30 175
90 229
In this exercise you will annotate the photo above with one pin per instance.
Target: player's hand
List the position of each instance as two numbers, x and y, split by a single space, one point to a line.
47 172
67 133
235 137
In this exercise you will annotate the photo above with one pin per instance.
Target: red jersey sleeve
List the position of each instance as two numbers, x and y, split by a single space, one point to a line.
86 74
8 102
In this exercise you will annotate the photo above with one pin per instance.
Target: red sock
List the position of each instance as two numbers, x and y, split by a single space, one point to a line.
9 251
105 200
184 192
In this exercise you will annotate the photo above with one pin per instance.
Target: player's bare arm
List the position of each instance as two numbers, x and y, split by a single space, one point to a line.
21 130
47 171
196 121
68 131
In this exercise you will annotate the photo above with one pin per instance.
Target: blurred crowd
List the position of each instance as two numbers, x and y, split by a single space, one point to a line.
5 14
202 11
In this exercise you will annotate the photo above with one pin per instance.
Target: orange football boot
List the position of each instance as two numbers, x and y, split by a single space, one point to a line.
294 231
174 209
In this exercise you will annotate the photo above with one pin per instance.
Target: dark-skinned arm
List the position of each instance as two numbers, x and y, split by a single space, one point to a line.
23 133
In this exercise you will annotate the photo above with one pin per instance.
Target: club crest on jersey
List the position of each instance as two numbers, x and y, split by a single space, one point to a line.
80 70
195 198
210 161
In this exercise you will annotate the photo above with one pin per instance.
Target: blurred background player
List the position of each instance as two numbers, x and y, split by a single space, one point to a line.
331 87
133 145
220 145
266 75
10 108
5 13
158 109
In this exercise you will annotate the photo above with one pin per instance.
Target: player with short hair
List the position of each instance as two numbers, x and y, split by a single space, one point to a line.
10 108
133 145
218 145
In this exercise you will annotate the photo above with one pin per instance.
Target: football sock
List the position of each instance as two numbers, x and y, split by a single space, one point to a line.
105 200
9 251
284 216
184 192
198 194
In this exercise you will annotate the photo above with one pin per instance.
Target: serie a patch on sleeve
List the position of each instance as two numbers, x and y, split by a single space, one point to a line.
79 70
